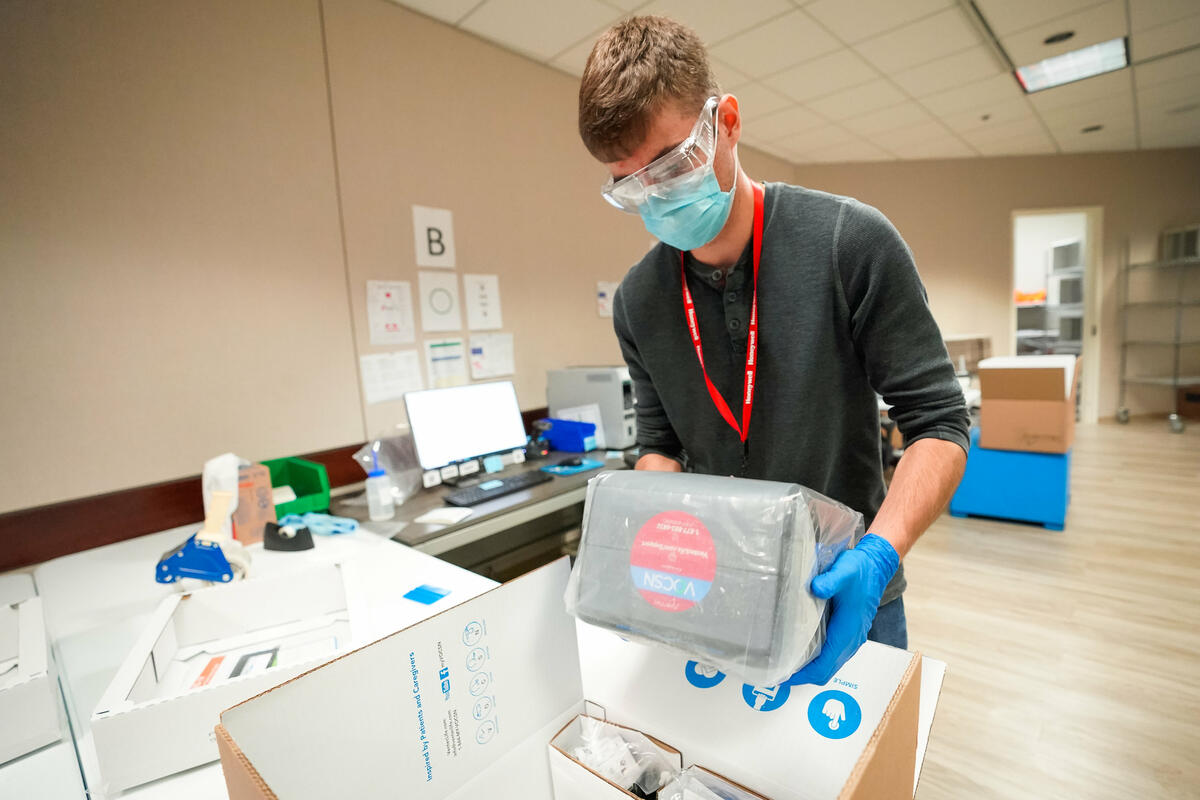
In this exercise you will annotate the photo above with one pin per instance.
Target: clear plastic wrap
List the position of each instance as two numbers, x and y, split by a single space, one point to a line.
620 755
714 568
695 783
397 456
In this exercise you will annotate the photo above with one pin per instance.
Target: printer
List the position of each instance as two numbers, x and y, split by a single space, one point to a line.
608 388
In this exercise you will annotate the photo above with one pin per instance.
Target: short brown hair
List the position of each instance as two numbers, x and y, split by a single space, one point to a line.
637 67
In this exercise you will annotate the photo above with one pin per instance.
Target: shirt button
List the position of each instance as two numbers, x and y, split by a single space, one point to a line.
734 324
731 297
717 275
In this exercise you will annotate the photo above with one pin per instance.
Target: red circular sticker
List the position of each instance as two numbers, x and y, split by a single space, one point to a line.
673 561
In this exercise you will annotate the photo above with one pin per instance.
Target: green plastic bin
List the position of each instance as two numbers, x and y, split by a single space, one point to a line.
308 479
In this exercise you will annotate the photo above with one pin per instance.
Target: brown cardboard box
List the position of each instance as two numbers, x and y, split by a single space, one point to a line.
255 506
1028 403
967 351
1188 402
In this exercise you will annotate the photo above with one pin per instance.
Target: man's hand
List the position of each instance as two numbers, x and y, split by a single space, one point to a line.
853 585
656 463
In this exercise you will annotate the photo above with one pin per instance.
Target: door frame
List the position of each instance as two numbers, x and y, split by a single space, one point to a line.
1089 380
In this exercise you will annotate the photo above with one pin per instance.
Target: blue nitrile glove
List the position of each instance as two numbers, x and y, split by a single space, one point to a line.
853 585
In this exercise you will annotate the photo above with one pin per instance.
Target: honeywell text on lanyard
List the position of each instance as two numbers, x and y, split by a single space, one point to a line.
689 309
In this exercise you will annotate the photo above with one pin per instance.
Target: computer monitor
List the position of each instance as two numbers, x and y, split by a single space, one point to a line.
462 422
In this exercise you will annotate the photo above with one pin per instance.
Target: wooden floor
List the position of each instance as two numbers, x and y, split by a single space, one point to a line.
1074 656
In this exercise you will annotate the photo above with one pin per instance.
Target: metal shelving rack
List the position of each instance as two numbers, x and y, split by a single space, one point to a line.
1181 266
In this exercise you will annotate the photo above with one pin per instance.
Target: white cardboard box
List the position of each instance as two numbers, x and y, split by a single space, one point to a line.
464 704
572 780
29 703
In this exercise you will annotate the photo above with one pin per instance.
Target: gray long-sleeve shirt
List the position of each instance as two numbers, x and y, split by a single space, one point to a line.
842 315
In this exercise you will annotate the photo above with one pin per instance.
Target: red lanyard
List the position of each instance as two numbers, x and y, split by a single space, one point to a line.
693 322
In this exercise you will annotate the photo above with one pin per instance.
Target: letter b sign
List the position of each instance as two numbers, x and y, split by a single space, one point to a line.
433 235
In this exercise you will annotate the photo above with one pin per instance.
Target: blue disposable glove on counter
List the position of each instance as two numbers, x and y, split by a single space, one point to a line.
853 585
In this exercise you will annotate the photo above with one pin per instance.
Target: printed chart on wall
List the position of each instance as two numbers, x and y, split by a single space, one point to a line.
604 297
387 376
390 312
446 361
433 234
439 302
481 295
491 355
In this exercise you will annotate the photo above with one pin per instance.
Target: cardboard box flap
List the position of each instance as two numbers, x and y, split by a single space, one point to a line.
421 712
15 588
1027 377
889 758
781 741
241 779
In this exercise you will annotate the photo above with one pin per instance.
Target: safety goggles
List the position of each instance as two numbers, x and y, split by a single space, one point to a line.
672 173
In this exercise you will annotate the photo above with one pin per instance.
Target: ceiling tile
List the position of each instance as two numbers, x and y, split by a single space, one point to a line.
1012 129
823 75
772 150
626 5
727 76
1165 39
756 100
979 94
715 22
945 73
994 115
1152 13
1092 25
1108 139
781 123
901 115
574 59
1008 16
814 139
912 134
1183 133
848 152
1101 87
944 147
1022 145
776 45
938 35
1070 122
446 10
538 28
857 100
862 19
1167 69
1163 97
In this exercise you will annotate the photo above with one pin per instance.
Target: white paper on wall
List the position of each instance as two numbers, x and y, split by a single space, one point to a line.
481 296
433 235
390 312
604 297
446 361
439 302
387 376
492 355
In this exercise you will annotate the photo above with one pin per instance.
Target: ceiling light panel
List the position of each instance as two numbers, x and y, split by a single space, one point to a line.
1077 65
1093 25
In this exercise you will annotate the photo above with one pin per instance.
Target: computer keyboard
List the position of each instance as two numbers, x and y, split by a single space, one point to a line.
497 487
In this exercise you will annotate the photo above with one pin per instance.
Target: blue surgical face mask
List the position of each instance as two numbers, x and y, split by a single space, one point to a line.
692 218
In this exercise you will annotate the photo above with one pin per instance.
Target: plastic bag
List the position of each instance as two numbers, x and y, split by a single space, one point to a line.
397 455
623 756
695 783
717 569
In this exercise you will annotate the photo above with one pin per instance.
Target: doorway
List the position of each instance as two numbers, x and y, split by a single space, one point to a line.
1056 290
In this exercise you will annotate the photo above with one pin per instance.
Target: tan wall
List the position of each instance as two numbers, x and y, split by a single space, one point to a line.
172 281
956 216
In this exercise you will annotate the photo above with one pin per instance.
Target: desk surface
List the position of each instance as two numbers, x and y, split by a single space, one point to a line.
97 602
486 518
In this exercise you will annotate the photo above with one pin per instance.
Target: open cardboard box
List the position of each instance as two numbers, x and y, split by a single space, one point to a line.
29 701
1028 403
464 704
206 650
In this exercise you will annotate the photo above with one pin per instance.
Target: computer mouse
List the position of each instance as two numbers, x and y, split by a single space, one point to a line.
571 462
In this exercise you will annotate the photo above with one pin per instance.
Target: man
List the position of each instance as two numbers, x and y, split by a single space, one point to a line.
760 329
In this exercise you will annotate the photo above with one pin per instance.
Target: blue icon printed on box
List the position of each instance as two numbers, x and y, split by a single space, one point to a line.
475 659
487 729
702 676
483 707
472 634
444 674
834 714
765 698
479 683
